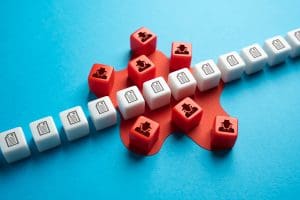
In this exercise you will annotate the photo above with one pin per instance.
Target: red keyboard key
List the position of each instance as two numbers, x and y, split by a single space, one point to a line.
141 69
101 79
143 134
187 114
224 132
181 55
143 42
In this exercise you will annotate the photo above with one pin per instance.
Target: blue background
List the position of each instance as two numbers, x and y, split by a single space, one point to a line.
46 51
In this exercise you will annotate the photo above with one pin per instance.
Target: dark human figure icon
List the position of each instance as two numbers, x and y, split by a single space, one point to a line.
188 109
100 73
144 129
144 36
142 65
181 49
226 126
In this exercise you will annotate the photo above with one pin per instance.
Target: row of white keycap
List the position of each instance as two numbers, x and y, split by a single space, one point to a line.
45 134
156 92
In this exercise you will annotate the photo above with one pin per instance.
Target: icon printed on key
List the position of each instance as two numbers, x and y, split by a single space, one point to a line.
226 126
181 49
101 107
182 78
142 65
144 36
207 69
144 129
157 87
278 44
232 60
188 109
254 52
11 139
297 35
73 117
43 128
100 73
130 96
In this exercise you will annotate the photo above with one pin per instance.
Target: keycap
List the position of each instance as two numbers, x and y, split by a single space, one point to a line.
181 55
224 132
13 145
293 38
75 123
277 49
102 112
131 102
156 93
143 42
143 134
187 114
207 75
141 69
231 66
255 58
101 79
182 83
45 133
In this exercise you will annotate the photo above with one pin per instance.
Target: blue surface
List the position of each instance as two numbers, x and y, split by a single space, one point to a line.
46 51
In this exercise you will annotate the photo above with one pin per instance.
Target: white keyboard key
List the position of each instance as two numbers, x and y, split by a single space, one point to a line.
231 66
207 75
74 123
255 58
13 145
103 113
277 49
45 134
293 38
156 93
131 102
182 83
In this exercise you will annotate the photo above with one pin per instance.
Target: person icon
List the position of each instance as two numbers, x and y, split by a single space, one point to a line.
188 109
144 129
100 73
142 65
144 36
181 49
226 126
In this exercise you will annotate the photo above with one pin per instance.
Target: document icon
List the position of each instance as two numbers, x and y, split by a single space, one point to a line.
73 117
43 128
11 139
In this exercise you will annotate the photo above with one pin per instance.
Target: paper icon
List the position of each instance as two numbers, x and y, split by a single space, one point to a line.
11 139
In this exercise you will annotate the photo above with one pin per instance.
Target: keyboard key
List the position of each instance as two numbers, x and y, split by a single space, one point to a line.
182 83
103 113
231 66
143 134
277 49
45 134
181 55
293 38
156 93
224 132
101 79
207 75
255 58
74 123
187 114
13 145
131 102
143 42
141 69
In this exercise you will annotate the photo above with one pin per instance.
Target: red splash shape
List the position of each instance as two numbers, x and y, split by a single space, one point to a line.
208 100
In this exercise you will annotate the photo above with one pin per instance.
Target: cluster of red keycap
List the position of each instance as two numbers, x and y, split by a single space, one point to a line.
186 114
